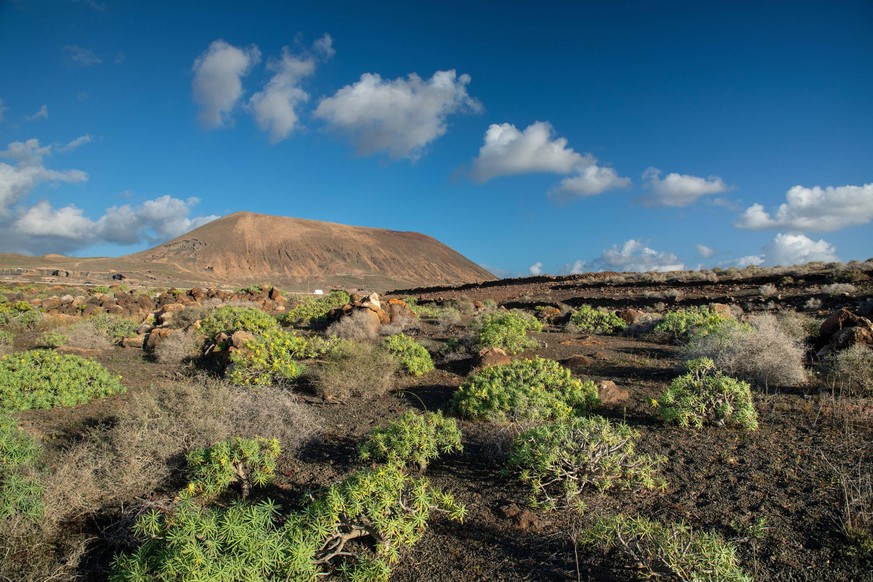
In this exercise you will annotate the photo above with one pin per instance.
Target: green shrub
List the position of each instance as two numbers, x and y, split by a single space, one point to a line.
247 542
413 439
678 326
6 337
45 378
524 390
587 319
52 339
314 309
672 550
20 314
20 487
705 395
228 319
507 330
412 356
115 328
244 461
272 358
560 460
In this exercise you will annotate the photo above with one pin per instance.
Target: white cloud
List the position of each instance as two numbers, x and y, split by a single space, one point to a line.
680 189
814 209
42 220
76 143
590 181
536 268
795 249
324 46
507 151
82 57
704 251
17 181
750 260
400 116
43 113
578 266
217 84
636 256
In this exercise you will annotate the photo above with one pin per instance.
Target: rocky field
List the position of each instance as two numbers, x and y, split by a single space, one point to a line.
112 460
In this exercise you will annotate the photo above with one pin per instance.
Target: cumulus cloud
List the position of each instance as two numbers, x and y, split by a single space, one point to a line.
508 151
81 57
680 189
795 249
636 256
590 181
43 113
275 108
750 260
217 84
40 228
578 266
536 268
401 116
814 209
704 251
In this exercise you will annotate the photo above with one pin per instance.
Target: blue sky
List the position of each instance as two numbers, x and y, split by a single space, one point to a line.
545 137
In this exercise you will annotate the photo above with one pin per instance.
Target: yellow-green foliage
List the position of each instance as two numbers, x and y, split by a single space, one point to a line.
250 542
246 462
673 550
19 313
678 325
45 378
413 439
272 358
705 395
588 319
561 460
228 319
313 309
507 330
524 390
20 487
412 356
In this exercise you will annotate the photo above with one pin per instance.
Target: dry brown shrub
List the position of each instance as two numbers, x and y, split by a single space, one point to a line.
86 335
851 371
179 347
359 369
355 326
798 325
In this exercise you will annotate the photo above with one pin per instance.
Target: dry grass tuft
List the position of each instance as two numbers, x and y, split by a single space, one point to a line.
359 369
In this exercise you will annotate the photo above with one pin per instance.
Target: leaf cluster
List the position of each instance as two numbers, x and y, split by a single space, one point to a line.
413 440
705 395
272 357
20 458
678 326
229 318
561 460
589 319
411 355
314 309
673 550
44 378
507 330
19 313
244 461
524 390
249 542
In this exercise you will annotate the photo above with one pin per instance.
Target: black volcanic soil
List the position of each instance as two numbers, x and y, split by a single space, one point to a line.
718 479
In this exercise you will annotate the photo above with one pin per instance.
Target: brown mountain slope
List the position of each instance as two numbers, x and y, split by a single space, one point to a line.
293 253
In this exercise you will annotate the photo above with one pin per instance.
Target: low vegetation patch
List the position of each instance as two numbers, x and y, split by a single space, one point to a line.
246 462
524 390
273 358
21 488
706 396
677 326
507 330
313 310
588 319
413 440
45 378
413 358
354 369
850 371
673 549
564 459
229 318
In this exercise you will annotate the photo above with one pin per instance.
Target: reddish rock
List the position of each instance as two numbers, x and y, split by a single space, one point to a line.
524 518
399 311
157 335
722 310
488 357
629 315
840 320
610 393
850 336
578 361
133 342
239 338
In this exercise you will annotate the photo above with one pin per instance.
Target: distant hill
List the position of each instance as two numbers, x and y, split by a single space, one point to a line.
296 254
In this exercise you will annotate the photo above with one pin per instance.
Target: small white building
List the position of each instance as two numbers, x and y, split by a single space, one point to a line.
318 292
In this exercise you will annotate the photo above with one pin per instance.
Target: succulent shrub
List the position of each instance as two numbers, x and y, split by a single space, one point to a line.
507 330
673 549
313 310
413 358
706 396
21 490
524 390
115 328
562 460
677 326
588 319
272 357
413 440
52 339
228 319
45 378
248 542
247 462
